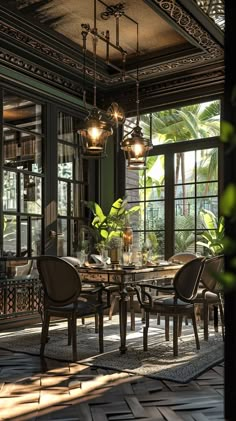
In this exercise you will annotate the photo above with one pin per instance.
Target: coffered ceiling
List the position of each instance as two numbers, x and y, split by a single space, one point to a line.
179 43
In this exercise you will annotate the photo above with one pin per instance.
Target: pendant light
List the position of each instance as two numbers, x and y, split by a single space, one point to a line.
96 128
134 145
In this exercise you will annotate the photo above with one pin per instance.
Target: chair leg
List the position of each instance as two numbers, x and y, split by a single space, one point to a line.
222 316
205 319
142 315
44 334
69 331
167 328
96 323
74 337
100 332
145 331
175 335
194 322
158 319
215 309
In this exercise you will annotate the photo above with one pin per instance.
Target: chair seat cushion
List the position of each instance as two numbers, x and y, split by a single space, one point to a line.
83 308
160 303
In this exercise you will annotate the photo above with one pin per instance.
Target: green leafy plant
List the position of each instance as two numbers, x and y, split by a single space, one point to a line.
110 226
213 235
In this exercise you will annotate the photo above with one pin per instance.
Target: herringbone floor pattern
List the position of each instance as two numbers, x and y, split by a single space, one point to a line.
73 392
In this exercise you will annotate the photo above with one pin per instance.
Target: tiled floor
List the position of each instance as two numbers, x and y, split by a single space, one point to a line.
31 389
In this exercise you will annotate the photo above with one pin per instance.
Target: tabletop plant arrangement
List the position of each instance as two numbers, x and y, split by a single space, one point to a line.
109 228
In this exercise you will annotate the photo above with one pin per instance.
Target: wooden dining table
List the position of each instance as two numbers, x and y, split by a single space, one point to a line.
124 276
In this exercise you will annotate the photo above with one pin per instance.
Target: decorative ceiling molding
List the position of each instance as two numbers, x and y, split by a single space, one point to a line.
185 21
211 51
40 72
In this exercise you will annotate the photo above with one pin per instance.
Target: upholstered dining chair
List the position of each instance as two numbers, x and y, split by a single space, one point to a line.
210 293
62 298
177 305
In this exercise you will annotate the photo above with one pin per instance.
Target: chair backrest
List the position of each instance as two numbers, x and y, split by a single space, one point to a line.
60 280
212 266
182 257
187 279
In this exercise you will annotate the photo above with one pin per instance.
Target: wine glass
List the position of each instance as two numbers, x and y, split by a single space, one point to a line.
104 256
81 256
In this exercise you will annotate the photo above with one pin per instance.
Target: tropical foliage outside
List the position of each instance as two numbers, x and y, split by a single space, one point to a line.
188 123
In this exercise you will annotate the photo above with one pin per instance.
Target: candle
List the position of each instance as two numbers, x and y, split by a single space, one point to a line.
127 237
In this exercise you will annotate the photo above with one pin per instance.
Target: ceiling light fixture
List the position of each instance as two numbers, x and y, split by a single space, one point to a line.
95 129
98 125
134 145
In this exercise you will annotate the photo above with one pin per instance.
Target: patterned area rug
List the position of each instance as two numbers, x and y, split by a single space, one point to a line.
158 362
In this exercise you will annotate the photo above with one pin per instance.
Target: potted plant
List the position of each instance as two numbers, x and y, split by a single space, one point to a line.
109 228
213 235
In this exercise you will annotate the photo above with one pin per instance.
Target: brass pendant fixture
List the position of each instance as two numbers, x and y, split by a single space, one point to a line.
98 125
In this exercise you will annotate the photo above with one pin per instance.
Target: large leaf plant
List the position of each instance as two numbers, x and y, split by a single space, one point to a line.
213 236
109 228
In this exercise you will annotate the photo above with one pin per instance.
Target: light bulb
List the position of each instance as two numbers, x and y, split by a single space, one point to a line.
137 150
94 133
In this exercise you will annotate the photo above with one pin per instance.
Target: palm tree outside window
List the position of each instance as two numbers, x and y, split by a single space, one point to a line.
182 177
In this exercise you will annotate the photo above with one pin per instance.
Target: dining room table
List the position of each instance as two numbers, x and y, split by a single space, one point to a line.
124 276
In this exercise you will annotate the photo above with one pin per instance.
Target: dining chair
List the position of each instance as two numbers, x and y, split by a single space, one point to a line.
210 293
177 305
62 298
167 287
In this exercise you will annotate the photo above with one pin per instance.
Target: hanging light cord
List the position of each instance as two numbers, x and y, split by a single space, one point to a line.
84 35
137 79
95 55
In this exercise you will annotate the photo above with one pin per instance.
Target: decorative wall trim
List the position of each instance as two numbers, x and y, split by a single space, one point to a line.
39 72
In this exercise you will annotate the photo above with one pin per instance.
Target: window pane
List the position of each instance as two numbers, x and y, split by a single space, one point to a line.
208 204
155 172
24 236
36 236
62 237
155 217
77 198
184 167
65 161
31 199
196 121
21 112
9 235
185 190
22 150
207 189
62 198
207 165
67 128
9 191
184 208
184 241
